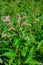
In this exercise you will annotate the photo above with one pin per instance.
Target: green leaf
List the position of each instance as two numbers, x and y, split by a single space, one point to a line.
32 38
31 54
16 42
9 54
40 45
33 62
23 51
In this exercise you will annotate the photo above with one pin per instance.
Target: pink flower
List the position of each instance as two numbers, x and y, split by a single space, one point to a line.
26 24
4 35
19 19
11 28
6 18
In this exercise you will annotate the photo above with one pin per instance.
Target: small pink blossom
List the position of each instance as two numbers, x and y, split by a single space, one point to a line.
6 18
26 24
12 28
19 19
4 35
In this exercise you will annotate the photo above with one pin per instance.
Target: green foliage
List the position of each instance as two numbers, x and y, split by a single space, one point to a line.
21 35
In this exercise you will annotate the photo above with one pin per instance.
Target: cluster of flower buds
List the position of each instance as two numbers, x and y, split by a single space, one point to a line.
19 18
6 19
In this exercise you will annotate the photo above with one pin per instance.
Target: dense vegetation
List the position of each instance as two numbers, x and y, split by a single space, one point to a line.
21 32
